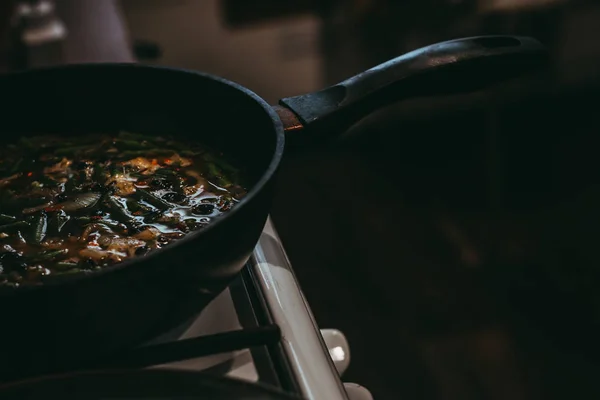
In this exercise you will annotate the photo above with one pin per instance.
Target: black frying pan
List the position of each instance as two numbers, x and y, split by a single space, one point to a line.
142 384
82 317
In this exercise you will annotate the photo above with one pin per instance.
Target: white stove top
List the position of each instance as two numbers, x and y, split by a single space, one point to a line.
316 358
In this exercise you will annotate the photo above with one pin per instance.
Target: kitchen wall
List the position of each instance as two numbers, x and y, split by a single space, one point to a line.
275 59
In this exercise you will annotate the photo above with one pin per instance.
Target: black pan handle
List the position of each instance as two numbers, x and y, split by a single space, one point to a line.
454 66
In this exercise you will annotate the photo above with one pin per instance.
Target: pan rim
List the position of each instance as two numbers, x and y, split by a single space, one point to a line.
196 235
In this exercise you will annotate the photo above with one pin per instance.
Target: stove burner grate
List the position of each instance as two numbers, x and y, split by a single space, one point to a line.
259 334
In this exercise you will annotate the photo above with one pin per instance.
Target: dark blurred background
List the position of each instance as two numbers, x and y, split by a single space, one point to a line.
453 240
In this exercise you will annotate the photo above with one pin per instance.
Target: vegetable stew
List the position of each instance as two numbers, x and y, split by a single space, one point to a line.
70 205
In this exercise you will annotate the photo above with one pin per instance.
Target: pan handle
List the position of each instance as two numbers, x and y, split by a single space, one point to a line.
455 66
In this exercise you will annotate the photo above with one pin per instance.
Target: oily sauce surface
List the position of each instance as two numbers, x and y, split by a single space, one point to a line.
71 205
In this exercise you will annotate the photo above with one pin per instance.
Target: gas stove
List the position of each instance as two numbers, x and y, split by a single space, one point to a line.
260 329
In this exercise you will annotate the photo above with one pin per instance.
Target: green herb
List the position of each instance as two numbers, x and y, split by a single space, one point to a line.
154 200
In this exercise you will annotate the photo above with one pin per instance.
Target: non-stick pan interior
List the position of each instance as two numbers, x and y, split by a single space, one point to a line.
80 99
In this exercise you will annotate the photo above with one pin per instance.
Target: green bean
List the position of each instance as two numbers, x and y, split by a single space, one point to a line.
189 153
14 226
133 144
177 145
8 194
192 224
71 184
47 181
65 266
100 173
118 211
83 220
68 271
125 135
154 200
7 218
56 253
97 196
113 225
218 175
33 202
165 172
213 170
173 222
58 221
48 255
40 227
219 162
28 142
170 176
146 153
81 201
152 217
114 169
135 206
177 184
16 166
69 151
8 201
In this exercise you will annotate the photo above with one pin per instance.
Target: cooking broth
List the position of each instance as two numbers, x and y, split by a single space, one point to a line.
70 205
